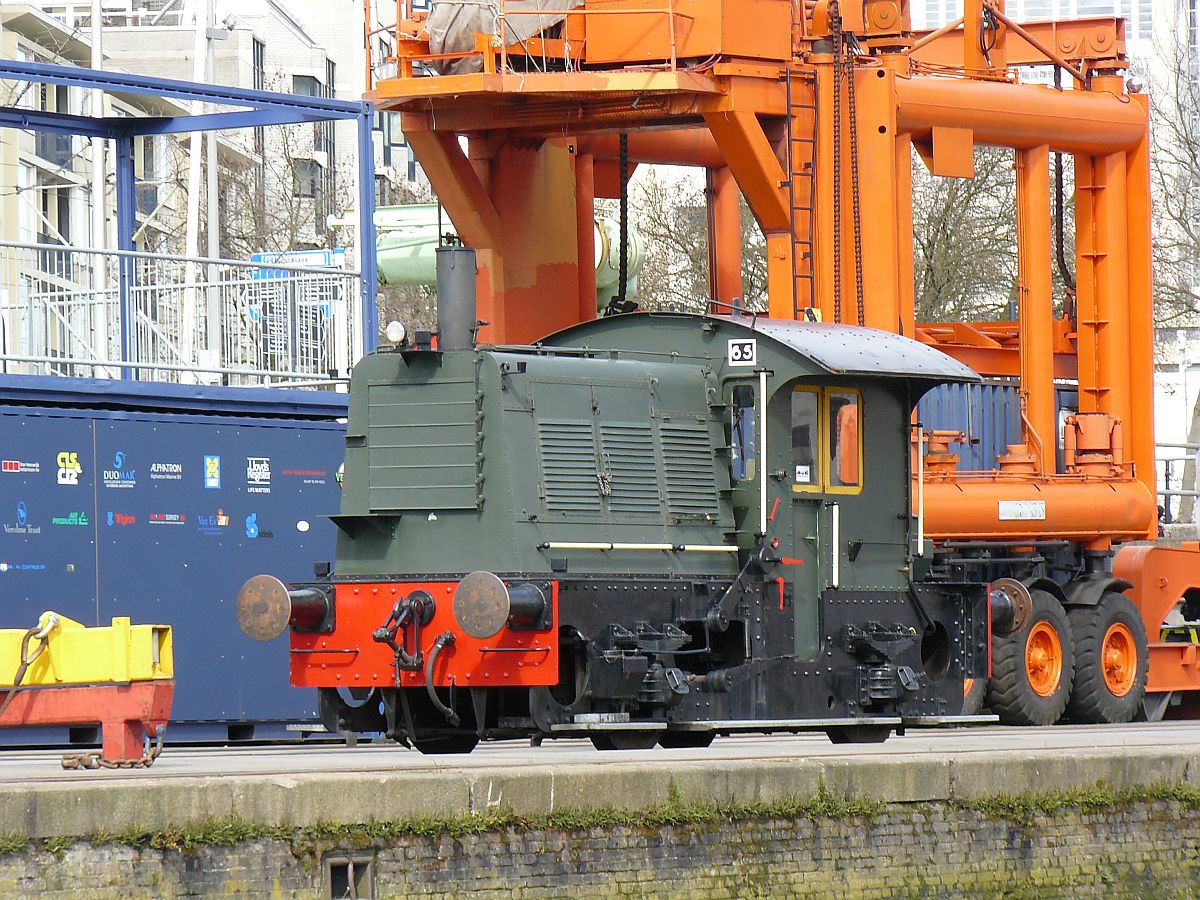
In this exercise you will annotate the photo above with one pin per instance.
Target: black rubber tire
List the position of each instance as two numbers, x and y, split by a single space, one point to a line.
1092 701
859 734
973 694
683 740
624 740
452 743
1009 693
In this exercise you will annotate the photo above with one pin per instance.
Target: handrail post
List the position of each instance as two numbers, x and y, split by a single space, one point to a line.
671 30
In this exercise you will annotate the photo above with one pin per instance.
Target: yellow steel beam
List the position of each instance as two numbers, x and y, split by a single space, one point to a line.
76 654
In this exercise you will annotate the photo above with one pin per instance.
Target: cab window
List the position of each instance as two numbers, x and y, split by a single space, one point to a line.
826 445
843 439
806 441
742 433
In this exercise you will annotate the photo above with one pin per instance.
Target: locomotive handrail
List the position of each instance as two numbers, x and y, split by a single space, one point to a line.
617 545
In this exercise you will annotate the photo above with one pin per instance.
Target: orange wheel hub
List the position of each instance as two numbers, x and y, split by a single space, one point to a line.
1118 655
1043 659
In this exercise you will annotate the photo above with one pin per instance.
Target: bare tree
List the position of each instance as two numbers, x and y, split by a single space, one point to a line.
1175 174
965 240
672 216
1175 170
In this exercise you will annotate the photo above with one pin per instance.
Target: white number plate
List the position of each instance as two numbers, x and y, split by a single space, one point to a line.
1014 510
743 352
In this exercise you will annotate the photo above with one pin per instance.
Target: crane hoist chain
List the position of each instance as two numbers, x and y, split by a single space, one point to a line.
843 67
856 210
835 26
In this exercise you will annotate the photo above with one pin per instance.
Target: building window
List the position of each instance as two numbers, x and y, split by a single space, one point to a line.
308 176
307 86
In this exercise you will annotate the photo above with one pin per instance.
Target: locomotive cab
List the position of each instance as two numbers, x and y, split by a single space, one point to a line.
650 528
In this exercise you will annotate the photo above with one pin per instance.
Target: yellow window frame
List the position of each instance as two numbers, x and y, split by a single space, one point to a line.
824 462
827 414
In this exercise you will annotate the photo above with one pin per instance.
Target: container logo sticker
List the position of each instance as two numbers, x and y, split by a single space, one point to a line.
258 474
166 471
21 567
22 525
167 519
253 531
119 476
116 518
69 468
212 472
72 518
19 467
212 524
310 476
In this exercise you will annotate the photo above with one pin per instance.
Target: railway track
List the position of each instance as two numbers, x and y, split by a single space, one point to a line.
41 766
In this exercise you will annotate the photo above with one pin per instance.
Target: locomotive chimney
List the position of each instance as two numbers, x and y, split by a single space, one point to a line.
456 314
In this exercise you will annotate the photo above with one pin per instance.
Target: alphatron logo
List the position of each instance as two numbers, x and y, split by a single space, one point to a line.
212 472
69 468
119 476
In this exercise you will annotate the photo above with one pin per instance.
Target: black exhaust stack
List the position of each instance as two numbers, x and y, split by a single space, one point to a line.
456 314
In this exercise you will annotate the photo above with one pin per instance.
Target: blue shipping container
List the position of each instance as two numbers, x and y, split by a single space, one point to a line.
156 502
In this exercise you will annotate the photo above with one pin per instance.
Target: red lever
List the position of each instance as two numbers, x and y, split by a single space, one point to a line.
788 561
774 509
779 581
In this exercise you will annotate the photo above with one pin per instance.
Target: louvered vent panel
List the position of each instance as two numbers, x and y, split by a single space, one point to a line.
691 484
628 455
567 451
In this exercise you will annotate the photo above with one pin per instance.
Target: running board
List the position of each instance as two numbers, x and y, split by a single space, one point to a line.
933 721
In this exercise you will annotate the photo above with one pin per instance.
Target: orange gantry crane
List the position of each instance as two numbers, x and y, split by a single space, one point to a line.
524 112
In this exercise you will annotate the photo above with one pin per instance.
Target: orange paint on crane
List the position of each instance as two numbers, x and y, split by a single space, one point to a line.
751 89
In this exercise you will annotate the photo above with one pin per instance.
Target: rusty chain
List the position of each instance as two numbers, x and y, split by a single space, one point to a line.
95 760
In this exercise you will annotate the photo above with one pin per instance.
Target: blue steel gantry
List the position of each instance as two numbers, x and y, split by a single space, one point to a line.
256 108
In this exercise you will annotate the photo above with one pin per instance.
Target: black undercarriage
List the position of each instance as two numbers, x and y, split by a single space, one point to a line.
675 661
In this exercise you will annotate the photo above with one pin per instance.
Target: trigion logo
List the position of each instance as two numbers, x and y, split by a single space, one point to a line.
212 472
69 468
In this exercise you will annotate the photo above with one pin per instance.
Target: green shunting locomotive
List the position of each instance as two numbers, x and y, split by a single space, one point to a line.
649 528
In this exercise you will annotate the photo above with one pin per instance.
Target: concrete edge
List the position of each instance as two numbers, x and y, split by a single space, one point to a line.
155 804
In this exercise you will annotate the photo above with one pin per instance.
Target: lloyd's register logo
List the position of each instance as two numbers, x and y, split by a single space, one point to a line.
69 468
119 476
258 474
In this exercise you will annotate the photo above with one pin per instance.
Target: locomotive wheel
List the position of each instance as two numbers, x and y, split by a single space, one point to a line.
974 690
449 743
1111 661
624 740
681 740
1032 666
859 734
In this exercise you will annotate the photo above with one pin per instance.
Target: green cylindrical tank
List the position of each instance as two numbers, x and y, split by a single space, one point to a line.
408 236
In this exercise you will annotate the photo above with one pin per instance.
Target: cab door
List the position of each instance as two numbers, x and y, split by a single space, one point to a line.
804 483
